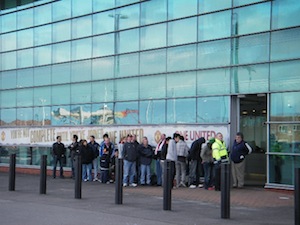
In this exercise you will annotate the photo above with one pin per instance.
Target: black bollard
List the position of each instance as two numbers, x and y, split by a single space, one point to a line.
167 185
119 182
43 174
12 172
225 191
297 196
78 176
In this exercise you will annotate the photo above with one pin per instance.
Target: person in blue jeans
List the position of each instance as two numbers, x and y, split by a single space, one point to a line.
145 153
87 156
58 153
157 156
104 166
207 161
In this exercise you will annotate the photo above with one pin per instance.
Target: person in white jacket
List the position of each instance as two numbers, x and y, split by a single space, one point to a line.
172 157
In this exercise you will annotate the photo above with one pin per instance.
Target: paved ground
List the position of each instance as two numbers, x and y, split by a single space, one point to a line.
142 205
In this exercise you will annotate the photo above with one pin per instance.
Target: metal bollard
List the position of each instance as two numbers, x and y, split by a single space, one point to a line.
12 172
119 182
43 174
225 191
167 185
297 196
78 176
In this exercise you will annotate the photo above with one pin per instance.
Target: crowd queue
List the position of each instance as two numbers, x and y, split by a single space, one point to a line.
203 158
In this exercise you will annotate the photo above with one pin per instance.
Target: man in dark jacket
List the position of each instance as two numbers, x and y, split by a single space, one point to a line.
74 149
58 153
239 151
195 162
129 156
96 148
87 156
145 153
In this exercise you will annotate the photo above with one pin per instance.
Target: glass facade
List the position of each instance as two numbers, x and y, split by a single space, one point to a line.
60 60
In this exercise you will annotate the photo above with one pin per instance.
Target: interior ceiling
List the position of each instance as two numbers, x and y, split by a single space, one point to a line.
253 105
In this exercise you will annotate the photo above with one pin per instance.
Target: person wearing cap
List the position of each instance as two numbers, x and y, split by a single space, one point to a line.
207 161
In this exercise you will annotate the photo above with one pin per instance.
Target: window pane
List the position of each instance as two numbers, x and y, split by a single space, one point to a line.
8 117
181 84
220 84
81 71
153 11
127 65
61 10
213 26
25 58
42 35
42 116
182 58
25 38
61 52
81 93
81 114
182 31
103 91
82 49
9 60
285 76
181 110
78 8
207 6
25 97
214 54
153 87
25 18
102 113
42 55
250 79
129 41
61 94
213 109
61 73
42 75
8 98
281 168
285 44
103 22
103 68
9 41
42 96
102 5
9 79
24 78
244 2
61 31
126 113
103 45
153 62
285 107
42 14
128 16
246 18
179 8
9 22
126 89
82 27
60 115
152 112
285 13
153 36
24 116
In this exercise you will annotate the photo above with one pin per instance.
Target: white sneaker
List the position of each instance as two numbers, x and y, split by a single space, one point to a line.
182 184
192 186
125 185
95 179
107 182
133 185
85 180
200 186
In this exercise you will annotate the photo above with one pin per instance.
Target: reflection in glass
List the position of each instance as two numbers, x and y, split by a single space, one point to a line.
128 17
81 71
42 75
179 8
153 11
42 35
126 89
42 116
25 97
24 78
60 115
42 55
153 87
285 13
8 41
8 79
78 8
61 52
42 14
280 167
82 27
61 94
102 114
103 45
126 113
103 68
152 112
181 110
80 114
127 65
9 60
213 109
25 38
25 18
181 84
61 73
244 2
61 10
81 93
24 116
103 22
153 36
25 58
153 62
61 31
206 5
102 5
42 96
9 22
181 58
129 41
8 117
103 91
82 49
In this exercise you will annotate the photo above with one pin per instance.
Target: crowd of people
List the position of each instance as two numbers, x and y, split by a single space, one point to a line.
203 158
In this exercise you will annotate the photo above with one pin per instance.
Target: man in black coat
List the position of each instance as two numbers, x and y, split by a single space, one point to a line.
58 153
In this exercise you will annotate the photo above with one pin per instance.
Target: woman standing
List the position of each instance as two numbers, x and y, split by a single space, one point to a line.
87 157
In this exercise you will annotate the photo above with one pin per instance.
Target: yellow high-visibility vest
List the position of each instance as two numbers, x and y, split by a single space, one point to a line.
219 151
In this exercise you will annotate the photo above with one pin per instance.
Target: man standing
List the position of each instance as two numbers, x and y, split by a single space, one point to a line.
145 153
74 148
130 156
157 155
182 153
172 157
239 151
137 163
58 153
95 148
220 155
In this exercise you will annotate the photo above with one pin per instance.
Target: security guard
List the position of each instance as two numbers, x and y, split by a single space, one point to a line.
220 155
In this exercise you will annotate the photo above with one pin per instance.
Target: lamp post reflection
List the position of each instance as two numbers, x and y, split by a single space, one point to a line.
43 101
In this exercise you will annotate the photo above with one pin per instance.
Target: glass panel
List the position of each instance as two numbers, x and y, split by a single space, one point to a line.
177 110
153 87
182 31
103 22
42 116
153 61
61 10
42 96
153 11
61 31
102 5
81 71
9 60
9 79
9 22
25 18
25 58
25 97
80 114
244 2
42 35
214 54
129 41
102 114
124 2
9 98
213 109
103 68
206 5
250 79
61 73
285 107
24 78
220 84
42 55
246 18
126 89
213 26
127 65
127 17
82 27
61 94
42 14
81 93
24 116
8 117
103 91
82 49
285 44
285 13
281 168
42 75
61 52
182 58
9 41
153 112
60 115
285 76
80 9
126 113
181 84
25 38
153 36
179 8
103 45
